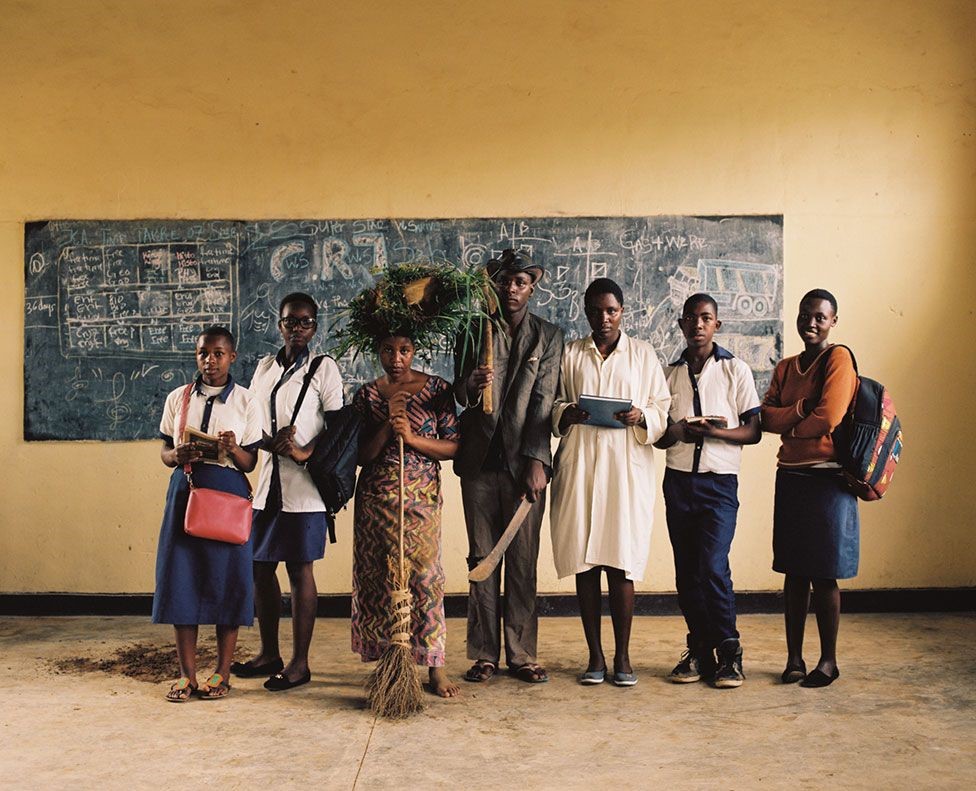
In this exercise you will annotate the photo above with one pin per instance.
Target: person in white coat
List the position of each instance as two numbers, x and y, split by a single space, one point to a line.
603 485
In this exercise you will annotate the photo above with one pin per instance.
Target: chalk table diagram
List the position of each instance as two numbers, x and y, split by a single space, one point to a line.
147 301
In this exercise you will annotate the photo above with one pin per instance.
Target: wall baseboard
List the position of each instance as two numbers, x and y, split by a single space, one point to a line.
880 600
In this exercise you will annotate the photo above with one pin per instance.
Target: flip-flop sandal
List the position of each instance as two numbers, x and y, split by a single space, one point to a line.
214 688
530 673
480 671
181 690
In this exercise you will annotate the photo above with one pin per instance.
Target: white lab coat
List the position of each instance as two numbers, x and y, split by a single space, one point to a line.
603 487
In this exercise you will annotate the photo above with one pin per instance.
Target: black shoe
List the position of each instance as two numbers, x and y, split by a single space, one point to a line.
793 674
696 663
729 673
250 670
817 678
279 682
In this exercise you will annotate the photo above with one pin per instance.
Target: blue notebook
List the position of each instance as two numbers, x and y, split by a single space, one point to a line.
602 410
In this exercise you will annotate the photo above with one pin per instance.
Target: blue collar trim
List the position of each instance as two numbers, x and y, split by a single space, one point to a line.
223 395
717 352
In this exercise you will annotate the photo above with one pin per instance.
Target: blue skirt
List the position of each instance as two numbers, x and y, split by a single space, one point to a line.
816 527
293 538
199 581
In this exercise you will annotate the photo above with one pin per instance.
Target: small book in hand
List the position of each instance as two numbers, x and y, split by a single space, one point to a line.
719 421
602 410
207 444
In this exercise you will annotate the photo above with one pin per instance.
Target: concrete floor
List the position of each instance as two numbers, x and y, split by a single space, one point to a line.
902 715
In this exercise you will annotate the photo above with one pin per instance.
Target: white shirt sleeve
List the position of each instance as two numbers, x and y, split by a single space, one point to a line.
167 422
329 385
253 422
746 397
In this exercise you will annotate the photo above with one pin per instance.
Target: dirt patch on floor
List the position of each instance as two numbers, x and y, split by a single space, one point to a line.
141 661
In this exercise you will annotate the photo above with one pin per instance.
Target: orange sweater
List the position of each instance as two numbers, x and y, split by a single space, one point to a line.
806 437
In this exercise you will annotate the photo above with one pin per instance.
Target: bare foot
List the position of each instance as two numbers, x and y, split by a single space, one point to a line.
441 685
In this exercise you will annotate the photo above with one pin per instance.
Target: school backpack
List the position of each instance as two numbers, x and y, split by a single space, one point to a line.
333 462
869 439
332 465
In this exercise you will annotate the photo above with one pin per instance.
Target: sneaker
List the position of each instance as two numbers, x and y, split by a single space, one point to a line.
696 663
729 673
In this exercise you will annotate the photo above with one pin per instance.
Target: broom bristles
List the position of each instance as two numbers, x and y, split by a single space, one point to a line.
393 689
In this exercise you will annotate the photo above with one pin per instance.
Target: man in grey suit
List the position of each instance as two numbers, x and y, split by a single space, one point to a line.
504 456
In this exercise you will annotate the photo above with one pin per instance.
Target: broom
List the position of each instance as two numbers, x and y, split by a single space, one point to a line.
393 689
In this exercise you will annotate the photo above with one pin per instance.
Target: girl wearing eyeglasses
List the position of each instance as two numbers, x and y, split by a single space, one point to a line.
290 519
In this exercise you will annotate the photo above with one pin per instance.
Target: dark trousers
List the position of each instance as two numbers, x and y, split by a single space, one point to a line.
490 499
701 512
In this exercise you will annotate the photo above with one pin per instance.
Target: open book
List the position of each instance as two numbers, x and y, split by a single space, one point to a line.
207 444
719 421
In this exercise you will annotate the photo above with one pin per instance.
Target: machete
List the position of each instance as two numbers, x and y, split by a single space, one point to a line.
483 570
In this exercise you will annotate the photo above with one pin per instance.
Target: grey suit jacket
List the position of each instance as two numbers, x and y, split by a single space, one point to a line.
523 398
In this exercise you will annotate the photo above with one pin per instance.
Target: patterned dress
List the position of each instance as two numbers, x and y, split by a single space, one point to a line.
432 414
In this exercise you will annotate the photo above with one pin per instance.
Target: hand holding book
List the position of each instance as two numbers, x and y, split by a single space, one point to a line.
207 447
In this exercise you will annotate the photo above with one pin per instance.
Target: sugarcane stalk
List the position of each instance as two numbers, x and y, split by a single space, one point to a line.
487 401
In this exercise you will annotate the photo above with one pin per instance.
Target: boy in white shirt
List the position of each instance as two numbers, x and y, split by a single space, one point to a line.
701 486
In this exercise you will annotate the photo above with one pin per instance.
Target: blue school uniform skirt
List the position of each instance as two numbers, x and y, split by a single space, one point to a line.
291 537
199 581
816 527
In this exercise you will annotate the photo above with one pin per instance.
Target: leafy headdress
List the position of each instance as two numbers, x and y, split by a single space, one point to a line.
430 303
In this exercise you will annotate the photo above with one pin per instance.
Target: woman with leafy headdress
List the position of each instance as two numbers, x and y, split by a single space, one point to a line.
413 308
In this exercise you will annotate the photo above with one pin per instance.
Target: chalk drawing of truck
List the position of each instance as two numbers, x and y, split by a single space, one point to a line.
741 288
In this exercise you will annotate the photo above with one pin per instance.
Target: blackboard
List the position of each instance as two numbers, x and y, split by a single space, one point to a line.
112 309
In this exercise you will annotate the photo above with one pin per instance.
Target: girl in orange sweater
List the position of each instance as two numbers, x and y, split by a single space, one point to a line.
816 528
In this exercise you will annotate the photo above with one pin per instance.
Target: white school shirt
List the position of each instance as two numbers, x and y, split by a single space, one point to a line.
725 387
298 492
212 410
603 485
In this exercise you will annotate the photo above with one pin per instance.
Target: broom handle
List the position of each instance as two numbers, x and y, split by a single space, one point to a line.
486 401
403 582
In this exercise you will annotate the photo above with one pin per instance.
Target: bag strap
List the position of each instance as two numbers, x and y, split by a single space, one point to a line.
823 370
823 364
184 409
312 368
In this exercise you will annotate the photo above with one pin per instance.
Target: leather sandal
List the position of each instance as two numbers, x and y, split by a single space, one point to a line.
530 673
482 670
181 690
214 688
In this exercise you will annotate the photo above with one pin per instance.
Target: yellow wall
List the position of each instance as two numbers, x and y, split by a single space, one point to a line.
856 120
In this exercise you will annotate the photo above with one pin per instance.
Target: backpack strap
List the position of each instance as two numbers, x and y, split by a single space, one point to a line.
312 368
823 364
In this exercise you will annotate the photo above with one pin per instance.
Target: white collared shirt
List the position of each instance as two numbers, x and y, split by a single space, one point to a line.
298 492
725 387
212 410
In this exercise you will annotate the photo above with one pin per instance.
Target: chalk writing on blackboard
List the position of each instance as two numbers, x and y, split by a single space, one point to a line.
112 310
143 300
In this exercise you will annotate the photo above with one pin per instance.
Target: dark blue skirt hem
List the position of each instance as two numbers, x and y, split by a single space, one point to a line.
290 537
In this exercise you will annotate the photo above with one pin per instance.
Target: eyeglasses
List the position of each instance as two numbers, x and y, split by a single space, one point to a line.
306 322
